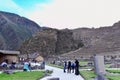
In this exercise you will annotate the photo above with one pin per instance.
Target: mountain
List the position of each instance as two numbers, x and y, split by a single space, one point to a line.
15 29
51 42
77 41
99 40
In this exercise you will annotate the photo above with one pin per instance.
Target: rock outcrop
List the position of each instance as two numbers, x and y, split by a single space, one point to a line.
51 42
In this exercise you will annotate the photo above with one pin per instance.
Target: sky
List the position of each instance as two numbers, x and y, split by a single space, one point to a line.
62 14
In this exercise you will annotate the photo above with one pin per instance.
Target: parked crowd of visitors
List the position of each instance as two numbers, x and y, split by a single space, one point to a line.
25 65
28 65
71 67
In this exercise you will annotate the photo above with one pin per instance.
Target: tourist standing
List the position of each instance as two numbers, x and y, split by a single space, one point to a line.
77 67
65 66
73 66
43 65
29 66
26 66
69 67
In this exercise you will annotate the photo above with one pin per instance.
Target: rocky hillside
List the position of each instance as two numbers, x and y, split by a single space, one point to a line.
99 39
51 42
82 40
14 29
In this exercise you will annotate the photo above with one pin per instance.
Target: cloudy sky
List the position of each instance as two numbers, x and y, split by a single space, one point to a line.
66 13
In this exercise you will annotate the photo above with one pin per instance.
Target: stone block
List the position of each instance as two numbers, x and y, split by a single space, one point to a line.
53 79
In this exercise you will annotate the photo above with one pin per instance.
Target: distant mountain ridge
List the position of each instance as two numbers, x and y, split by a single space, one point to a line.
14 29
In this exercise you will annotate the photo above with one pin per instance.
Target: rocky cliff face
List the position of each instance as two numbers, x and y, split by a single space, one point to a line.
14 29
51 42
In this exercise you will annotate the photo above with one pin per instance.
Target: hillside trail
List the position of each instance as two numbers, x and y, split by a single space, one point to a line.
58 73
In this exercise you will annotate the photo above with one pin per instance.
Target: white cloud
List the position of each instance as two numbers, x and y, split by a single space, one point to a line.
77 13
71 13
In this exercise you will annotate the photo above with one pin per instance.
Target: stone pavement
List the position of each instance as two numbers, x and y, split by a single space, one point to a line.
58 73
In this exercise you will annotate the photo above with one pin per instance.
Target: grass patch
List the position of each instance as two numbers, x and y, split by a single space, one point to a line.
117 77
113 71
88 75
83 63
113 77
32 75
107 65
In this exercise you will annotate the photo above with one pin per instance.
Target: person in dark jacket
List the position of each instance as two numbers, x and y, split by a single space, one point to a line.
69 67
65 66
77 67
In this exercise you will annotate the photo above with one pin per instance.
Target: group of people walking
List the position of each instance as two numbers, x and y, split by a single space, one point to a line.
71 67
